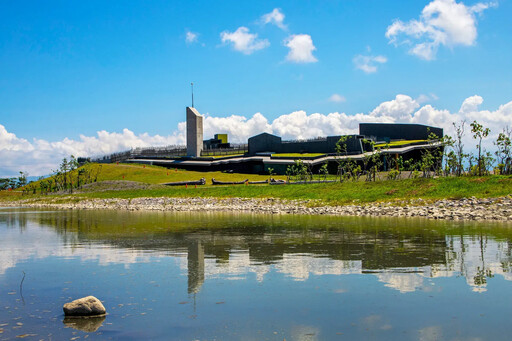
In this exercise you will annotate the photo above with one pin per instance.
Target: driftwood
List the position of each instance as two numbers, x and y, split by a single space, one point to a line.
282 182
258 182
202 181
217 182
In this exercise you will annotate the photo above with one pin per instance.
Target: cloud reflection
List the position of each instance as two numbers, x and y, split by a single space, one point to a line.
235 256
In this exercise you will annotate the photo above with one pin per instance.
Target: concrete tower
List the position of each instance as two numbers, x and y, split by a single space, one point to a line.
194 132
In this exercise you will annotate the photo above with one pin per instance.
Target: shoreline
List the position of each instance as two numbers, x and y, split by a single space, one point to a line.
491 209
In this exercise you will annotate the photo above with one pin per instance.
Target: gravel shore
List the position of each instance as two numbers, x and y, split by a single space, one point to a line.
461 209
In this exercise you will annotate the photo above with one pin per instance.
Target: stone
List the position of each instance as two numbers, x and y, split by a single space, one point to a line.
85 306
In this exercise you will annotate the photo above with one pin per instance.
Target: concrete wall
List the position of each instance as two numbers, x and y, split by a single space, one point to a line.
194 132
270 143
397 131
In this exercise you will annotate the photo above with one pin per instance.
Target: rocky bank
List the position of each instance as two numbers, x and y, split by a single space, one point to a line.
460 209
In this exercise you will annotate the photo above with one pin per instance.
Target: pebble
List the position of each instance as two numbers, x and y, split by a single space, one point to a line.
451 209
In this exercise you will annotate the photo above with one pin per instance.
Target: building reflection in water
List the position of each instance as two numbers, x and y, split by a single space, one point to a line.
402 254
195 259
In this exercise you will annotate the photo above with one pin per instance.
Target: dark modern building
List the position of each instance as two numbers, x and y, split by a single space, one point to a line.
266 143
266 151
398 131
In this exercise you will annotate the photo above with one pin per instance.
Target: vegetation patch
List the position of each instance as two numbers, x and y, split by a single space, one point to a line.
298 155
399 143
391 192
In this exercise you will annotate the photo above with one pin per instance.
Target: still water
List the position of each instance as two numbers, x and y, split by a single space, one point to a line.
219 276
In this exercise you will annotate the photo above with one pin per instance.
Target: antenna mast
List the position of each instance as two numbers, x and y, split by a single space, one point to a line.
192 85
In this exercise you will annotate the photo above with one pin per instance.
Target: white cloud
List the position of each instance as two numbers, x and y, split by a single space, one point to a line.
243 41
191 37
276 17
368 64
238 128
337 98
38 157
423 98
398 109
471 104
301 48
442 22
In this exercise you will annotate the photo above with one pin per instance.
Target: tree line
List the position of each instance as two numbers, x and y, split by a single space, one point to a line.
66 178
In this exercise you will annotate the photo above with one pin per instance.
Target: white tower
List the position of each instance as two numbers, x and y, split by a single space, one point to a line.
194 132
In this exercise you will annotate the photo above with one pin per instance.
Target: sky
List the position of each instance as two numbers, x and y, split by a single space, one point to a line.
94 77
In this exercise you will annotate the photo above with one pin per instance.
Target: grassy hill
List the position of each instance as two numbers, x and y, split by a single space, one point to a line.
131 180
158 175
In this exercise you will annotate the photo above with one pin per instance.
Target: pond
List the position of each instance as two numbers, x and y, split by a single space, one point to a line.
222 276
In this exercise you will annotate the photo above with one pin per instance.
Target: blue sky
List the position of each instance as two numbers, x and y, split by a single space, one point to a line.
71 68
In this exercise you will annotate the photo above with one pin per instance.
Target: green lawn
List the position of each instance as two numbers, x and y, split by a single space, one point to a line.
298 155
157 175
341 193
329 193
221 156
398 143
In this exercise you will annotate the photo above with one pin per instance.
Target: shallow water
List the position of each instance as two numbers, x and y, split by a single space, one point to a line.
218 276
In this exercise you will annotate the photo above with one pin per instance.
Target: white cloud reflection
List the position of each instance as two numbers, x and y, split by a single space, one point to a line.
466 257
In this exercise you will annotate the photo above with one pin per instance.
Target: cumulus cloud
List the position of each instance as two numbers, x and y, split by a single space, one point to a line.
368 64
238 128
442 22
398 109
243 41
191 37
426 98
337 98
301 48
276 17
39 156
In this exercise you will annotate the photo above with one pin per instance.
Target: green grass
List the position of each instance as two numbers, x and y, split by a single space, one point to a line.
158 175
341 193
328 193
298 155
221 156
398 143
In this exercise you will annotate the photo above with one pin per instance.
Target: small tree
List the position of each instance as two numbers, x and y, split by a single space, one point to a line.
451 163
22 179
504 152
270 173
375 165
4 184
324 171
289 172
301 170
458 147
479 133
367 155
431 156
347 168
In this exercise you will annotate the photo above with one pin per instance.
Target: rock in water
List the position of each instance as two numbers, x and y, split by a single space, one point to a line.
86 306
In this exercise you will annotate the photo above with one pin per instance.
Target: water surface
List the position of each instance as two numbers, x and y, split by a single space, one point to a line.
218 276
